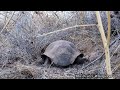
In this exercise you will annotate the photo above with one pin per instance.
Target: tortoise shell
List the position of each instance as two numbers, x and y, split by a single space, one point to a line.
62 52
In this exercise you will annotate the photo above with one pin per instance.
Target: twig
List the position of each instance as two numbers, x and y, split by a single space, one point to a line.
93 61
115 41
7 22
109 27
118 64
67 29
5 17
115 51
116 68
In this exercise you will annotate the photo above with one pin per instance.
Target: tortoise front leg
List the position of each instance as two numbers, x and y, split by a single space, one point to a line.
47 62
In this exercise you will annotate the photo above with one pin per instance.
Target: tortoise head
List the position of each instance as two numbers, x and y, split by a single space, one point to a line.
81 59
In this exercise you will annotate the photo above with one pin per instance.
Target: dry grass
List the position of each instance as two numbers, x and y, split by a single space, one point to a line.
24 34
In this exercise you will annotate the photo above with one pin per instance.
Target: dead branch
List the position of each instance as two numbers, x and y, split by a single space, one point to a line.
107 55
67 29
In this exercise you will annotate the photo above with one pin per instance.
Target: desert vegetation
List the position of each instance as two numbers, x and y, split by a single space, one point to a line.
23 34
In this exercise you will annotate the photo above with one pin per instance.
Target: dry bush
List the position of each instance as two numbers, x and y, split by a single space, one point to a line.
21 39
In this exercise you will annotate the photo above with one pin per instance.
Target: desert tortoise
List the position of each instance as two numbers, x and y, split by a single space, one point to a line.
62 53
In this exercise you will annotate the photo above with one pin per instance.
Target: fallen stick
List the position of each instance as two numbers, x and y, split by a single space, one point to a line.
67 29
